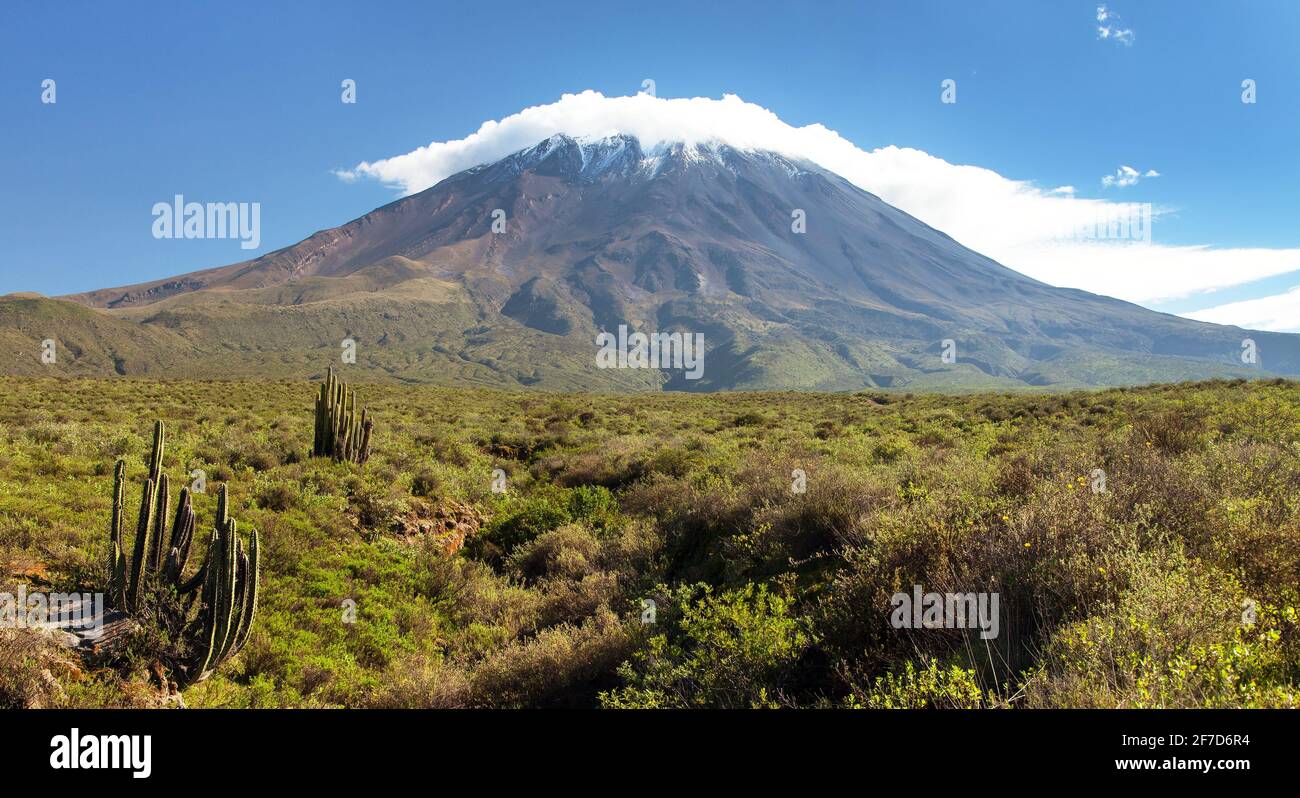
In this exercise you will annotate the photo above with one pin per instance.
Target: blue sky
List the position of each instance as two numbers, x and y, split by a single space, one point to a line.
240 101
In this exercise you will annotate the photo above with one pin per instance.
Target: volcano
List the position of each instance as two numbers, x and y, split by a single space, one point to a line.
506 274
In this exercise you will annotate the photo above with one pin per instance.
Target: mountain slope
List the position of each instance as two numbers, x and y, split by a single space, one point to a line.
597 234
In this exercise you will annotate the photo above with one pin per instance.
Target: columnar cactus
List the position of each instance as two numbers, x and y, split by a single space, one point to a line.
339 433
228 576
229 596
150 557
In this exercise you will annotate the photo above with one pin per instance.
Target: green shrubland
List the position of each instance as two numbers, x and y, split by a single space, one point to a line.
1175 586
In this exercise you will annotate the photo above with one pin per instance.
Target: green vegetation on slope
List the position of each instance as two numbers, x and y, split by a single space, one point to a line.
426 331
1176 586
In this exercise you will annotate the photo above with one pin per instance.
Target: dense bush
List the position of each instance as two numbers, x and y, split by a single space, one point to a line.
733 650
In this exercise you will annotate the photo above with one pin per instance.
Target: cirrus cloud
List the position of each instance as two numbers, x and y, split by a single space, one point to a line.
1108 28
1126 176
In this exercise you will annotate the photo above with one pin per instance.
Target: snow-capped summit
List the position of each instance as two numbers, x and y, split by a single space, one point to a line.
589 158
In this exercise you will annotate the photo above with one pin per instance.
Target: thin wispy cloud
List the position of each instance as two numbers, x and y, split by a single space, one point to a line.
1126 176
1280 312
1016 222
1108 28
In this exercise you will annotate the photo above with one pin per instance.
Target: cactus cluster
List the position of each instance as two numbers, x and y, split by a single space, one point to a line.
229 591
340 434
150 558
225 584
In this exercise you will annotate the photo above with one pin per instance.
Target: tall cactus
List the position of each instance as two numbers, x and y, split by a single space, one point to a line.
138 561
339 433
227 577
116 559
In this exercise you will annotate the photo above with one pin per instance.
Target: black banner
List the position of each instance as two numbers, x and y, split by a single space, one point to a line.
325 746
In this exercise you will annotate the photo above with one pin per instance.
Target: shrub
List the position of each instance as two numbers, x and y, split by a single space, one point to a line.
889 448
527 519
426 483
594 505
1172 430
569 551
931 686
278 497
1176 638
730 650
563 666
375 509
29 661
421 682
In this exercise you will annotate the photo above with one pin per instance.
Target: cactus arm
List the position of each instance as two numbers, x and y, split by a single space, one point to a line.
200 578
115 532
156 456
208 611
183 504
141 544
185 539
240 571
223 508
231 600
117 577
119 494
364 454
251 574
223 603
320 412
172 566
162 500
196 581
